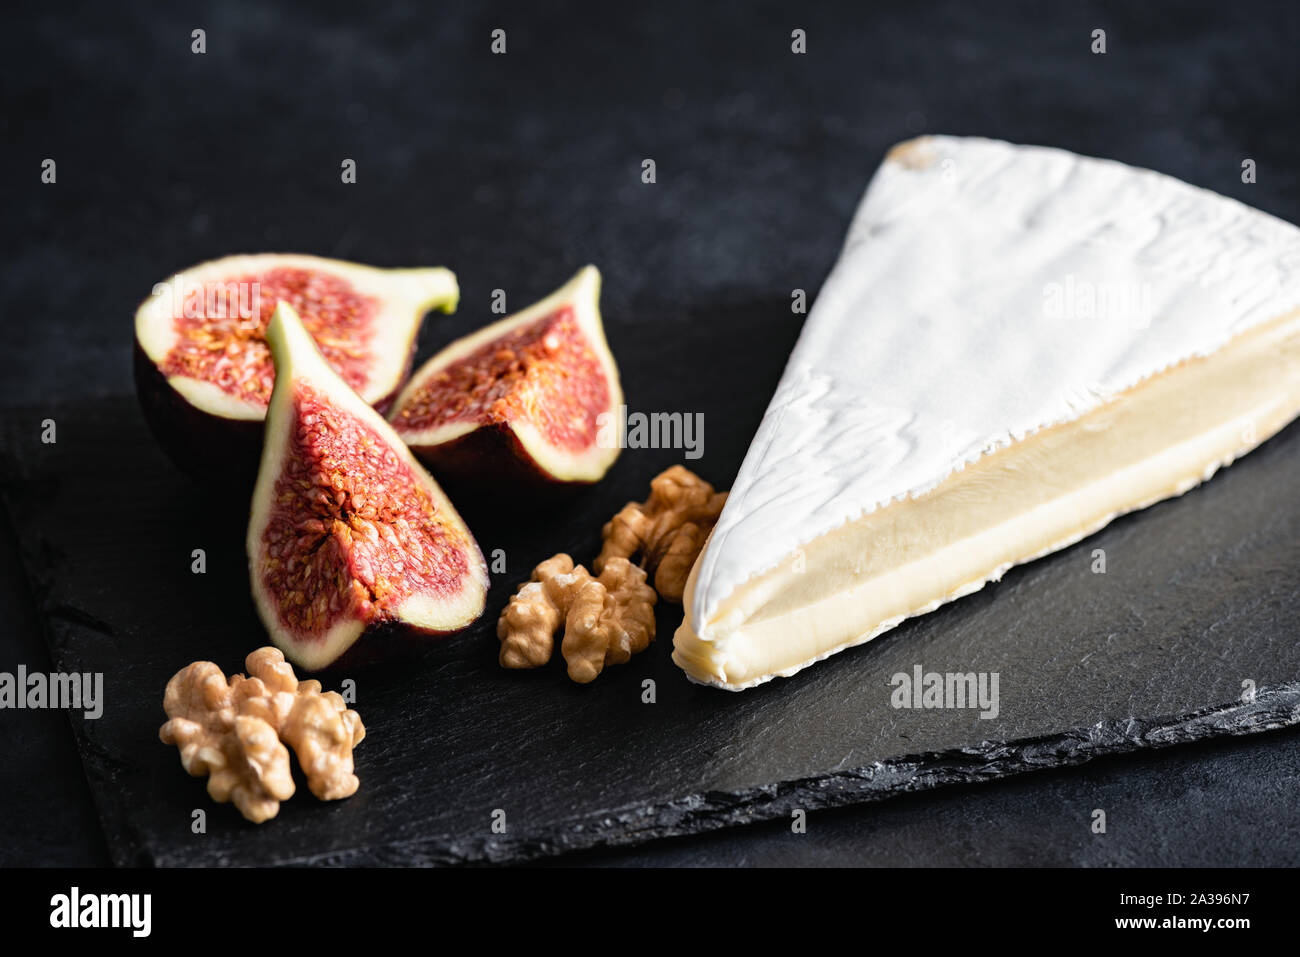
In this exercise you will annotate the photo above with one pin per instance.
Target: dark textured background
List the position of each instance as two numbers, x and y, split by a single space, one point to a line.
513 170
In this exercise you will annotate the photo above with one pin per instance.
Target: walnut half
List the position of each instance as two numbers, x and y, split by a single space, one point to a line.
606 620
667 530
235 732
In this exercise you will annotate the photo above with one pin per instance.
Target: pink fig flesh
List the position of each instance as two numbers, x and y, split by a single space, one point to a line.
535 395
204 371
348 536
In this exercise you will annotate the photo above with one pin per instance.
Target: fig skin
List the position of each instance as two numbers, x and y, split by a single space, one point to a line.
388 643
212 449
207 447
491 456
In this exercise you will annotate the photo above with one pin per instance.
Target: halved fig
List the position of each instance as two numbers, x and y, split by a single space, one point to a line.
348 534
202 367
521 398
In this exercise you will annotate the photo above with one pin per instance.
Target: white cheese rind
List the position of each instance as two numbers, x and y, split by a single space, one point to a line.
957 322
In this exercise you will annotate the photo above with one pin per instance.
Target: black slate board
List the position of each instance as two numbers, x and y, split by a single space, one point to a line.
1201 594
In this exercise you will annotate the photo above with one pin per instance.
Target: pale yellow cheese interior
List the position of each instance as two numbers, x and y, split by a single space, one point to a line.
1156 440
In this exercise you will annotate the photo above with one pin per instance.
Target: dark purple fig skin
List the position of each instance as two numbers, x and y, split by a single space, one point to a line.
210 448
207 447
490 461
384 643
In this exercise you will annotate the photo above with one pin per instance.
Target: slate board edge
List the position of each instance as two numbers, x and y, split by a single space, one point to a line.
116 828
1271 709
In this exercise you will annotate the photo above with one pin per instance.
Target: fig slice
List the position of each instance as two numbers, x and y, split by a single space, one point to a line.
521 398
203 369
348 535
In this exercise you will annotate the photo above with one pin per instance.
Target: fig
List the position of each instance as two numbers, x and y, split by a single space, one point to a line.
533 397
203 370
348 535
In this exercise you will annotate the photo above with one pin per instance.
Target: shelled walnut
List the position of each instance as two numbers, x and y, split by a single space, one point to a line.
606 620
667 530
609 617
235 731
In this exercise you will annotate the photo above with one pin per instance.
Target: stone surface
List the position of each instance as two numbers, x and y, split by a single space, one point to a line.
514 170
1199 596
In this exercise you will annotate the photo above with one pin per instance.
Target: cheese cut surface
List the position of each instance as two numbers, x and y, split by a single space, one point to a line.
1016 345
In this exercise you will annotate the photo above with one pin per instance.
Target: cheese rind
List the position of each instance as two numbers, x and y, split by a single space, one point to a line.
918 446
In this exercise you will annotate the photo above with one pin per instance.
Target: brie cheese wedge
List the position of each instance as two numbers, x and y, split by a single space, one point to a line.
1016 345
